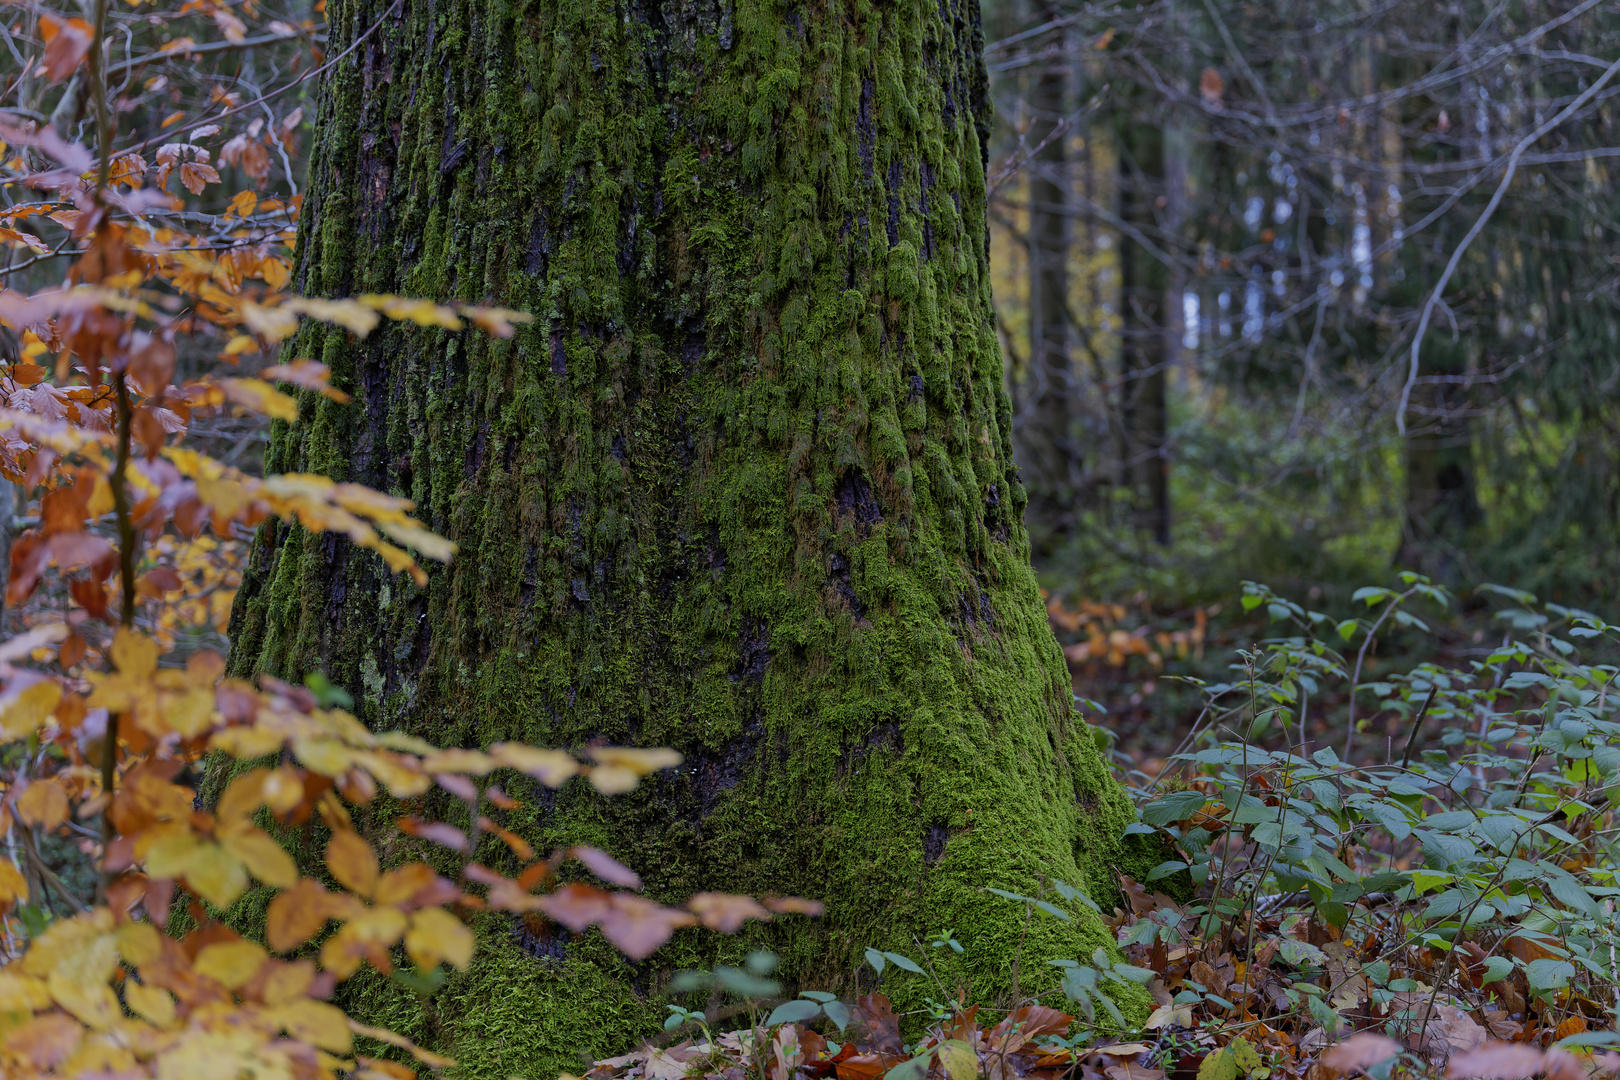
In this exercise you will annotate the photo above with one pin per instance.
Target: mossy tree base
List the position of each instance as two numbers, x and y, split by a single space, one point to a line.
744 488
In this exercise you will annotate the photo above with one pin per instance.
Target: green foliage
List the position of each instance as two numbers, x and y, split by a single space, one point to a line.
1480 853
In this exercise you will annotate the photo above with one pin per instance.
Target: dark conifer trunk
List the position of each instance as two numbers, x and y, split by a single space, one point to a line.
1144 299
1048 453
744 488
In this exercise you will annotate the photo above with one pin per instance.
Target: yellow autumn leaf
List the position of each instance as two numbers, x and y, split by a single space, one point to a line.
264 858
242 204
261 397
551 767
189 714
315 1022
637 760
410 744
354 317
421 312
958 1059
43 803
436 935
325 756
429 543
496 321
614 779
215 874
101 498
13 886
23 993
376 927
149 1002
91 1003
217 1054
230 963
275 272
139 943
404 882
352 862
471 762
288 982
30 709
247 743
242 797
170 854
135 654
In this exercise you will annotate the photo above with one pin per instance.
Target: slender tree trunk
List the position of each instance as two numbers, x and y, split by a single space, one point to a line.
1144 294
744 488
1442 508
1048 451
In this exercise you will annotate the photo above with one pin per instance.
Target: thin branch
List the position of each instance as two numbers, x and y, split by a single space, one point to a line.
1478 227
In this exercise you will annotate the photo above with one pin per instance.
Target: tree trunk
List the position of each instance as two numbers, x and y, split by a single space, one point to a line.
1144 300
1048 452
1441 505
744 487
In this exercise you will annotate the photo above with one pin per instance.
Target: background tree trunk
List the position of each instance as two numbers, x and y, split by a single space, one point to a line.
1144 301
1049 455
744 488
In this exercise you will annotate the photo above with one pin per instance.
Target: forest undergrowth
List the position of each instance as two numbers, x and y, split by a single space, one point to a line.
1328 908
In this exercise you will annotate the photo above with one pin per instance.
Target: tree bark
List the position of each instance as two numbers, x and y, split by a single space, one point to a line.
744 488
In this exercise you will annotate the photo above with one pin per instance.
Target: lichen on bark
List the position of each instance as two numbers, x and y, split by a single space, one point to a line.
744 487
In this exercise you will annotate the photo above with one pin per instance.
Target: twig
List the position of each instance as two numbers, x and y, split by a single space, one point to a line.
1417 722
1355 678
1479 225
272 95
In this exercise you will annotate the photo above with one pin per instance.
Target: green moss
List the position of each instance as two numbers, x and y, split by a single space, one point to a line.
744 488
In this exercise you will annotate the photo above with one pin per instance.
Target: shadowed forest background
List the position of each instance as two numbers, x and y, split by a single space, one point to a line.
1217 229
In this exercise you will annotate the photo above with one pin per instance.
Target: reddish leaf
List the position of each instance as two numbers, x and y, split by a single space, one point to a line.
520 847
725 912
436 831
793 905
45 1041
68 43
75 549
1023 1025
154 583
152 365
72 650
867 1066
876 1025
963 1025
1492 1061
90 595
575 906
637 926
605 867
1360 1052
63 510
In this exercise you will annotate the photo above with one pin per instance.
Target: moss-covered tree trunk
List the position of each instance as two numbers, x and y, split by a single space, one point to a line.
744 487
